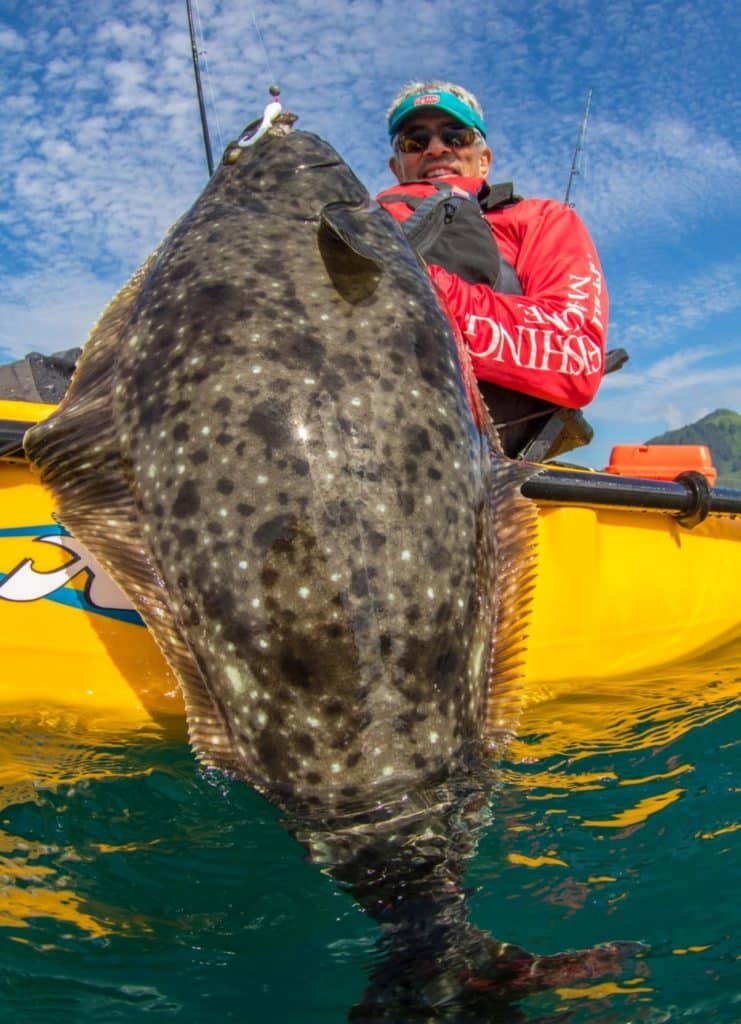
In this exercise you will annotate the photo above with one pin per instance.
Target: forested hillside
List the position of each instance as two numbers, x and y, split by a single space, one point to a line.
721 432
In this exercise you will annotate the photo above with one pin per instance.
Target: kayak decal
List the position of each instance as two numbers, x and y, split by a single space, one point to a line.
100 596
46 530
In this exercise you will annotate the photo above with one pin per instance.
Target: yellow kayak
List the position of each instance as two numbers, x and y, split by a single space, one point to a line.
621 589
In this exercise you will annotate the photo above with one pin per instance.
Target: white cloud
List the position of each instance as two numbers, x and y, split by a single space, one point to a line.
51 310
10 39
674 390
651 314
684 347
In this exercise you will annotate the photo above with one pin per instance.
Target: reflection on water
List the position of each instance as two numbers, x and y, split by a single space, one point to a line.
133 883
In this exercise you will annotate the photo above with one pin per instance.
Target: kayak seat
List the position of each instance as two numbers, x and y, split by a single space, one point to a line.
567 429
37 377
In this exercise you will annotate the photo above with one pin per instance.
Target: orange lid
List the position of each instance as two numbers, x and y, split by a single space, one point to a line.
661 461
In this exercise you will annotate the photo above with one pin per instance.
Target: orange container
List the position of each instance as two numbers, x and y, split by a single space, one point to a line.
661 461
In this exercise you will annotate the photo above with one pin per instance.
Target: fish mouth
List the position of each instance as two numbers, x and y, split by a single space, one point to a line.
318 166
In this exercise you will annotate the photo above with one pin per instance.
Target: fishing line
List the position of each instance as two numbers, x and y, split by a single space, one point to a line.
271 73
203 54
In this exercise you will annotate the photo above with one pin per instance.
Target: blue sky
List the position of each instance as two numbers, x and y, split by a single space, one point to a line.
100 151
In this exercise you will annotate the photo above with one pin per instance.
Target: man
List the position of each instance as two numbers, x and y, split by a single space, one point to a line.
537 332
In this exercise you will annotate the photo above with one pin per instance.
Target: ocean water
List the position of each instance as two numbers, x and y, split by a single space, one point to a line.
135 886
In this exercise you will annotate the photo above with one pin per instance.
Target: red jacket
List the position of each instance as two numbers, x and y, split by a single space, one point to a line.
550 341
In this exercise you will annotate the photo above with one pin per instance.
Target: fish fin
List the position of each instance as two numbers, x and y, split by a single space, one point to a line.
516 532
82 461
353 265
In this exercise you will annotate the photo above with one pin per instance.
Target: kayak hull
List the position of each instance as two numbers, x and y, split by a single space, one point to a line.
617 592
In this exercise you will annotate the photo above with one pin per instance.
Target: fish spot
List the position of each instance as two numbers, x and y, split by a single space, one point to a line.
224 485
280 528
407 503
304 744
272 754
443 613
296 670
222 340
447 664
375 540
212 298
187 501
418 440
413 614
269 421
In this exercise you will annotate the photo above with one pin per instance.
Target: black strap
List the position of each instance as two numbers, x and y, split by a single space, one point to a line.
400 197
494 197
412 224
490 197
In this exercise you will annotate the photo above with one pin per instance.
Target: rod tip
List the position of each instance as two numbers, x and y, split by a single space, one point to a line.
274 90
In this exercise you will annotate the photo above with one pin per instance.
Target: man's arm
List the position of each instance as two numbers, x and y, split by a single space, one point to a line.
550 341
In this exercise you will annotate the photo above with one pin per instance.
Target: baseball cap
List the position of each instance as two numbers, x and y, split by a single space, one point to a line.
436 100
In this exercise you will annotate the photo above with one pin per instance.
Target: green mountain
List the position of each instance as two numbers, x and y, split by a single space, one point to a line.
721 432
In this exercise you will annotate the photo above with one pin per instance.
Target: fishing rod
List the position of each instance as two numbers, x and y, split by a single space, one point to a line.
578 148
199 89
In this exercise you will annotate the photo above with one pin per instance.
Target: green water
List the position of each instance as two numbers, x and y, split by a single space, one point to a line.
151 890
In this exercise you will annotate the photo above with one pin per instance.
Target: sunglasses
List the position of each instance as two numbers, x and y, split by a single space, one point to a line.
416 140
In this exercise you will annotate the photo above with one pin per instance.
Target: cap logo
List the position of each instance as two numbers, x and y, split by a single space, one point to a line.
432 97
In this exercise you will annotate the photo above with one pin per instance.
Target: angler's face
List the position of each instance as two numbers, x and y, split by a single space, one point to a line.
440 153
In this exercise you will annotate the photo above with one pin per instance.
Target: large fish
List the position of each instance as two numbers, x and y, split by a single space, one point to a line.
271 445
